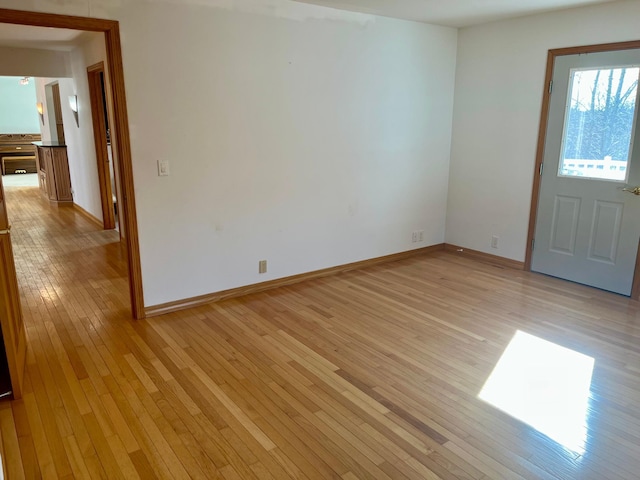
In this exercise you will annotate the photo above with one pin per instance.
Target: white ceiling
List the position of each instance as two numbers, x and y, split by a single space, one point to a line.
22 36
453 13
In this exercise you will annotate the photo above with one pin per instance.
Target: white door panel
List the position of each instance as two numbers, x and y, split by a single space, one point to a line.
587 228
564 227
605 232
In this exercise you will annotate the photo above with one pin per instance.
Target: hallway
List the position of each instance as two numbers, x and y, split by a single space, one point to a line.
373 373
73 289
59 255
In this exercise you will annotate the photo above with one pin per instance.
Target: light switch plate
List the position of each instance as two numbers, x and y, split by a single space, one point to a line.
163 168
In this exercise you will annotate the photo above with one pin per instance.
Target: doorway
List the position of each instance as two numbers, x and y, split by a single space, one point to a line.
119 128
56 124
102 140
583 225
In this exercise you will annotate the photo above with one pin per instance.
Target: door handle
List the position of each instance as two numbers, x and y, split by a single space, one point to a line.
634 190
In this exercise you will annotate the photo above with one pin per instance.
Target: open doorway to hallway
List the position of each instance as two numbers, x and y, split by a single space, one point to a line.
44 158
29 29
54 174
56 122
102 140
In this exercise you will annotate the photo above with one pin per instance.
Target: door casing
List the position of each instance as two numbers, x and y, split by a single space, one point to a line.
100 140
544 116
111 31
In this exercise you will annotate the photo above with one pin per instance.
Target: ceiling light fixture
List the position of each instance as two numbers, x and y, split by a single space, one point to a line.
24 81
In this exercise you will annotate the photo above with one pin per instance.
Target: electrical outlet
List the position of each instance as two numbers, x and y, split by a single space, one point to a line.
414 237
262 266
494 241
421 236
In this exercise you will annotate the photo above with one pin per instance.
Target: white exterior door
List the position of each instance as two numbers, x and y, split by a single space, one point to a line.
588 227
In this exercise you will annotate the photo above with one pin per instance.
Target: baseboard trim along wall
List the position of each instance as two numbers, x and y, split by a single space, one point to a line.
88 216
169 307
484 257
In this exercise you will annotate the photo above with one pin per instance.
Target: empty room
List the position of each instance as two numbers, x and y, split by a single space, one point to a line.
355 239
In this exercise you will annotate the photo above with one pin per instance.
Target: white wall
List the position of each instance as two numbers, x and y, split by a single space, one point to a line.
33 62
18 112
298 134
499 86
81 149
48 124
307 143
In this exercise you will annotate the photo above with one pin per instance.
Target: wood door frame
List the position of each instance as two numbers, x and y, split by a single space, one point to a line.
57 110
98 113
128 217
542 132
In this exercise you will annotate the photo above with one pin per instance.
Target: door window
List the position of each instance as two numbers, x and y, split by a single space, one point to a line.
599 121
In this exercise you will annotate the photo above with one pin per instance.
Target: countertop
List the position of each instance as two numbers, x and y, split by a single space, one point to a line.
49 144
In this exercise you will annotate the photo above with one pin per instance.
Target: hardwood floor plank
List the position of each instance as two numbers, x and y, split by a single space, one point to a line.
42 447
76 459
10 445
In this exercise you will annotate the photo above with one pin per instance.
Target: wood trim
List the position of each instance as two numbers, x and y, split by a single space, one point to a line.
37 19
635 287
483 257
14 335
177 305
121 141
542 131
600 47
13 330
96 67
88 216
100 142
57 112
120 127
4 218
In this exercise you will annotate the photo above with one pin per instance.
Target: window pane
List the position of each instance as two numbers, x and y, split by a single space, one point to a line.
599 123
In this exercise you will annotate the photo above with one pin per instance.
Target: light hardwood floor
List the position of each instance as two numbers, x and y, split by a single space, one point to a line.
367 374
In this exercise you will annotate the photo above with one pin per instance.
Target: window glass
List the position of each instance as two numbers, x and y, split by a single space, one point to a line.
599 120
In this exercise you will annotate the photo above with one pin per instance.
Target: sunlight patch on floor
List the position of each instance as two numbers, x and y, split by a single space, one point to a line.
545 386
